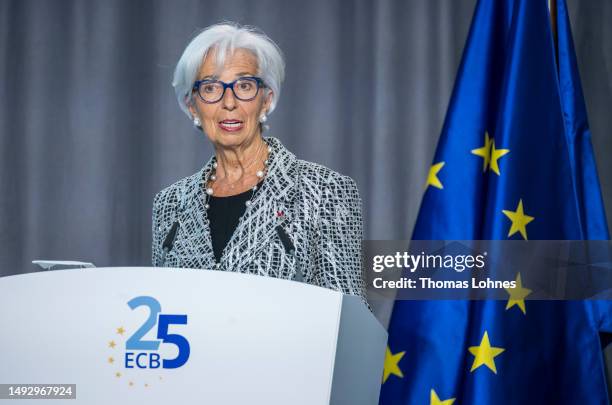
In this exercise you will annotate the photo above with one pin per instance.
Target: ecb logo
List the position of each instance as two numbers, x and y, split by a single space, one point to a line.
144 354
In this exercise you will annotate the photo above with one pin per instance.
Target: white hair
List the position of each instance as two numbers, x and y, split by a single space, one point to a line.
225 38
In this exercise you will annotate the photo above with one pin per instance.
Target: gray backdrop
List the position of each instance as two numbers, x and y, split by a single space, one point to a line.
90 130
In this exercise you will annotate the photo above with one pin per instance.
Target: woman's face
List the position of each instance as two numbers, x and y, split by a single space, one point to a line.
230 122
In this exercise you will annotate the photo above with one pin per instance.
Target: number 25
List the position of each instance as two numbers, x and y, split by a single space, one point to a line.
135 342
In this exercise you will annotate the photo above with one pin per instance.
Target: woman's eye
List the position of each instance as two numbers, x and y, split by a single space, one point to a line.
209 88
244 86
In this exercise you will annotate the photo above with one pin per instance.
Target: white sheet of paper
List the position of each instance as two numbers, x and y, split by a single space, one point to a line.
47 264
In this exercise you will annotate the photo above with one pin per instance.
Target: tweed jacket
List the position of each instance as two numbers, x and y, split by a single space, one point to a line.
319 210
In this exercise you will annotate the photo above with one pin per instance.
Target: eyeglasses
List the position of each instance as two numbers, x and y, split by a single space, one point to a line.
244 89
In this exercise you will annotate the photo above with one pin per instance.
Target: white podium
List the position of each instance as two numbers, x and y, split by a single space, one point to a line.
248 339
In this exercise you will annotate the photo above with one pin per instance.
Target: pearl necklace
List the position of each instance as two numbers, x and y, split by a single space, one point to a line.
213 176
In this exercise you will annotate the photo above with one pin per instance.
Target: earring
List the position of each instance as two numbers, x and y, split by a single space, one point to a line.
196 122
263 118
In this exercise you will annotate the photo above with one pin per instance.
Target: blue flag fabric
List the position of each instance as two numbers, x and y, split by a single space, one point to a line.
514 161
578 134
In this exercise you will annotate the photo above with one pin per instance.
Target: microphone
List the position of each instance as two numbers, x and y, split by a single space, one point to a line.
290 249
285 240
169 242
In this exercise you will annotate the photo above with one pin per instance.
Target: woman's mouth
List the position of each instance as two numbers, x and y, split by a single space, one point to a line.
231 125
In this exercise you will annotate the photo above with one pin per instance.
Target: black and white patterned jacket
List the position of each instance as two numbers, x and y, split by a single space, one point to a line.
319 209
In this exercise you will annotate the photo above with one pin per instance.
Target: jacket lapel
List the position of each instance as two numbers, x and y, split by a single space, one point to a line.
194 222
270 207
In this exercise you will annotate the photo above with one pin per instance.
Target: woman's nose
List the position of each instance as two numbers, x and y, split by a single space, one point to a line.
229 100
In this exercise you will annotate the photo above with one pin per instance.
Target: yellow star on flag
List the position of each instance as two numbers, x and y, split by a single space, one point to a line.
485 354
519 220
391 364
484 152
490 155
111 360
432 177
112 344
120 330
495 155
117 374
517 295
435 400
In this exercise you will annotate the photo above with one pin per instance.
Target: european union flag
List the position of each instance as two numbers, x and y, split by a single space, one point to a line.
514 161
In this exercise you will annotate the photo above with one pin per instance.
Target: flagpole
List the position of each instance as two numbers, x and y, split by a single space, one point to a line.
552 7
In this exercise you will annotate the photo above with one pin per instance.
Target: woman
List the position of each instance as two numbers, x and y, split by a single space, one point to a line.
254 207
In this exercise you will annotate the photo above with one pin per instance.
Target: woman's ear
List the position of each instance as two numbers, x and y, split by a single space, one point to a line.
190 105
267 102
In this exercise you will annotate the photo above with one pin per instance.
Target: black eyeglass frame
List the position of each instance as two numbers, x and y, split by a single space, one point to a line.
258 81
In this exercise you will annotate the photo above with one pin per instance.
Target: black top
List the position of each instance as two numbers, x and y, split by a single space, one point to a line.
223 216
